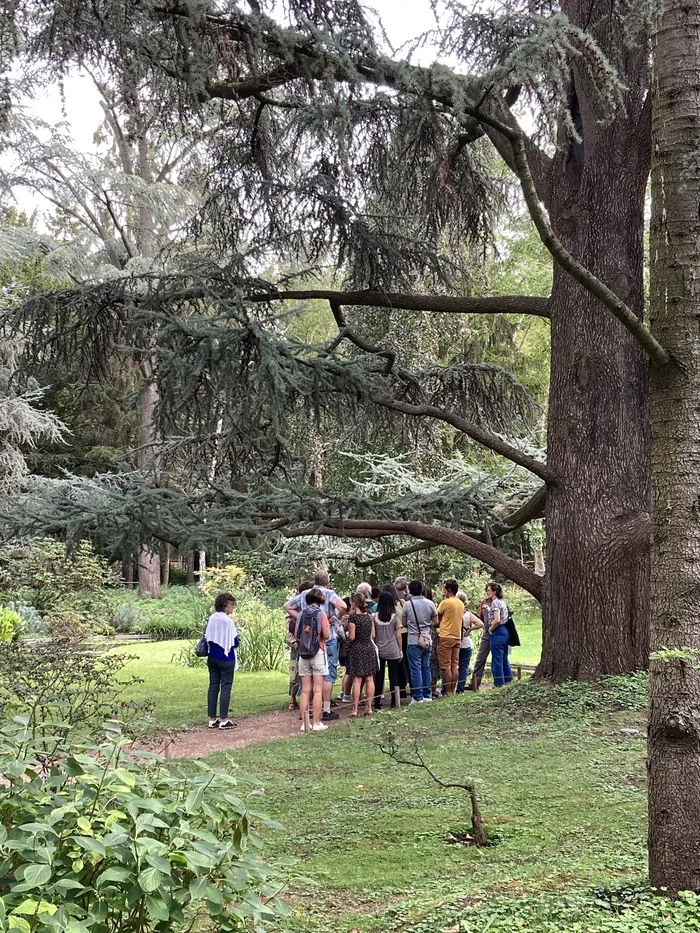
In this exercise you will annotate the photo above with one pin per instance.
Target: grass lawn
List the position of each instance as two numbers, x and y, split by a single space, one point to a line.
180 693
562 793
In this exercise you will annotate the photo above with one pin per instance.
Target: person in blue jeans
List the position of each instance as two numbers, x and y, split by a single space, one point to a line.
419 615
222 640
495 618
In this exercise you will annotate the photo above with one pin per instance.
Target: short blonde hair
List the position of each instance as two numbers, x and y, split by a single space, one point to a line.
365 589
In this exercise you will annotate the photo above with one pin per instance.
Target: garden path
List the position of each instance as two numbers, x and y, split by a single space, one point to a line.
201 741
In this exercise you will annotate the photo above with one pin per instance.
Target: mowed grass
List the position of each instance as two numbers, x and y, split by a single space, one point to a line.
180 693
564 800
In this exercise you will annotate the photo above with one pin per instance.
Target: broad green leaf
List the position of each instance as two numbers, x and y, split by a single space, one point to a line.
157 861
90 844
113 874
30 906
194 800
18 923
37 875
157 908
150 880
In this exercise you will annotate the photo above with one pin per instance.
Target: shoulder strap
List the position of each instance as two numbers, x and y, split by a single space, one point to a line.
415 614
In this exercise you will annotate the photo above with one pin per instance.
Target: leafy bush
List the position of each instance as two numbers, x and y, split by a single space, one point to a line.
126 618
105 844
66 585
52 572
31 622
228 579
65 688
9 624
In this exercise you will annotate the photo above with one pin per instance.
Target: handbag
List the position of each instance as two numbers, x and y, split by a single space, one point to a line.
424 639
513 637
202 647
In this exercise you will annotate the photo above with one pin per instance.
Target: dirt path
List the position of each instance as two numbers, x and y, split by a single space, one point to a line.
201 741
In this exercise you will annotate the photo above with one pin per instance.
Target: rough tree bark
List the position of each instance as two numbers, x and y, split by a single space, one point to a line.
596 587
674 675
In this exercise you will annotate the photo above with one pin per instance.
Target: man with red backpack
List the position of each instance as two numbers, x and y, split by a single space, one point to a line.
312 633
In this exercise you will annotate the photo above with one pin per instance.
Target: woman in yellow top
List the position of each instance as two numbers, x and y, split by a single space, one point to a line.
450 612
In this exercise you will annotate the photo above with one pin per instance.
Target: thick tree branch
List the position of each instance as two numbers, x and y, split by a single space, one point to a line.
532 509
434 304
480 435
458 540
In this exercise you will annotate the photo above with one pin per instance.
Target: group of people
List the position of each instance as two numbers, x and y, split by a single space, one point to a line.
400 629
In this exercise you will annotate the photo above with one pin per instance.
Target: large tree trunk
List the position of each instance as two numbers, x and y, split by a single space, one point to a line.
596 588
674 678
149 560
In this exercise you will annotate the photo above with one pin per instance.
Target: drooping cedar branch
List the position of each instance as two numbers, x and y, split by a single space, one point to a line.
454 92
473 431
490 555
532 509
656 353
434 304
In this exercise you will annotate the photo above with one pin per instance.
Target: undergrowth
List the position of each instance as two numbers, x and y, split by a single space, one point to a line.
573 700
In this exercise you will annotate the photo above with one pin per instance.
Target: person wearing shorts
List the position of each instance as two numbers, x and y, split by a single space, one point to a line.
314 670
450 612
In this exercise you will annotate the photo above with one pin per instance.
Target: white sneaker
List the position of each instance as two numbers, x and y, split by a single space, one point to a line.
415 701
319 727
427 699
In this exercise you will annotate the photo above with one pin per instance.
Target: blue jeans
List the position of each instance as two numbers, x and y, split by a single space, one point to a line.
332 655
465 656
220 683
419 662
500 667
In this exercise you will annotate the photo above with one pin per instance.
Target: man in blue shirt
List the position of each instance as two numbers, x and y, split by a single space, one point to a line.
334 607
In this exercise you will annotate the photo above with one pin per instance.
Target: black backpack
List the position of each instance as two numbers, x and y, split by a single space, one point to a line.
308 633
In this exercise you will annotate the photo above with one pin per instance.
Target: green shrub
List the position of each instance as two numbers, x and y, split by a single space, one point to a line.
126 618
31 622
66 688
111 846
10 623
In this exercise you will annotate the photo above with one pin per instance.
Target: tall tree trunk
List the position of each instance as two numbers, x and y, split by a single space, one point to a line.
190 569
674 678
149 560
165 568
596 588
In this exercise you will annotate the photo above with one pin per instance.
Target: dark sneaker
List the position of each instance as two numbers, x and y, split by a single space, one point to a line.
229 724
327 716
213 723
